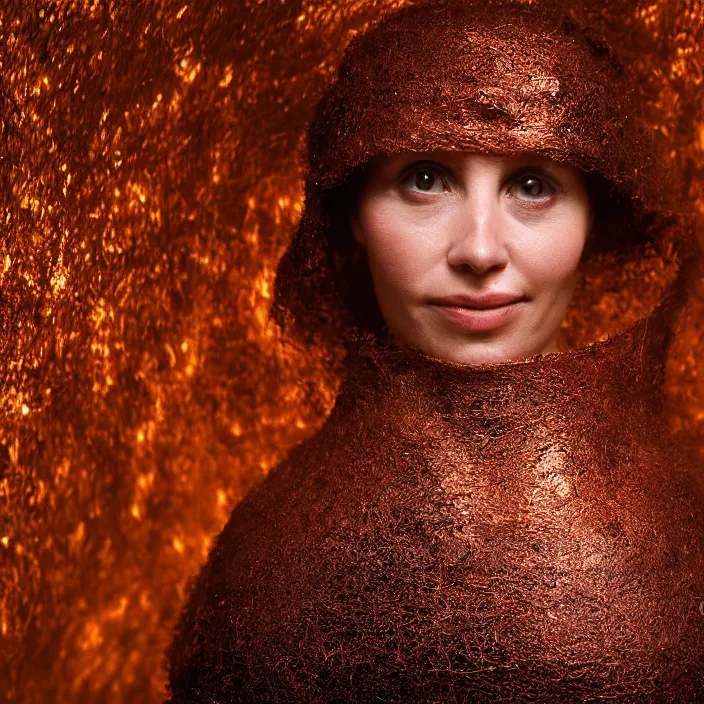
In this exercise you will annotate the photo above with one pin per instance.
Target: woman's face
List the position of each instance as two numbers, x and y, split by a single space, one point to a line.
473 257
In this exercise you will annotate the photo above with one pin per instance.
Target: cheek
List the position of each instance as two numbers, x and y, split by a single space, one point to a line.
550 254
402 244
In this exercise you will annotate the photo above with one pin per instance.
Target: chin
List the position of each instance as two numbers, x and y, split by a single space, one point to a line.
488 351
473 353
512 342
498 357
507 344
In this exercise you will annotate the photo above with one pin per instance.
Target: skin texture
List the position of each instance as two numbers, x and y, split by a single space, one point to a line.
443 223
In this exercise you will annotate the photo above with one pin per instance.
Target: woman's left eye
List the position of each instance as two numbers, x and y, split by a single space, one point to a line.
532 187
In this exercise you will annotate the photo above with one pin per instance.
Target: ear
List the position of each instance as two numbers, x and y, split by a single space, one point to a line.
357 231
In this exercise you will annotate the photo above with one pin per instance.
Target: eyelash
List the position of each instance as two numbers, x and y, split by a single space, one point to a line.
521 176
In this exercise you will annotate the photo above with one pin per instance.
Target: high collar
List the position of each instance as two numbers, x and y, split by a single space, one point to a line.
624 370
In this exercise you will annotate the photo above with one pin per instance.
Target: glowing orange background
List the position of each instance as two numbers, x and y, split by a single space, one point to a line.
150 182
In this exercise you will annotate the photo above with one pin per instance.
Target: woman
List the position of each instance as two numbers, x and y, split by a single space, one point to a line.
473 256
479 519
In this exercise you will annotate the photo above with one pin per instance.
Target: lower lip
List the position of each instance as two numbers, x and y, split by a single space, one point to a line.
478 320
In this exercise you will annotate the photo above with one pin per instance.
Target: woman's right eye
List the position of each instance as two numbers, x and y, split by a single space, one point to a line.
424 180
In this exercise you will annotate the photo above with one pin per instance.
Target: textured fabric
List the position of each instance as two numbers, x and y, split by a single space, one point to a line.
514 532
437 74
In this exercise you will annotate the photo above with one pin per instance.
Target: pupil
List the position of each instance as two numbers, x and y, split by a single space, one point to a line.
533 187
425 180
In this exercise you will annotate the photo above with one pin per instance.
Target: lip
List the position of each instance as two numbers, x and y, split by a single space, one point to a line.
478 301
479 313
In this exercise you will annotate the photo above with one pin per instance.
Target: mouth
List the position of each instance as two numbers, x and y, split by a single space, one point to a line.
480 319
479 301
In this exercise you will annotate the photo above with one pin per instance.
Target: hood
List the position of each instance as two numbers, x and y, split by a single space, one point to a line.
497 78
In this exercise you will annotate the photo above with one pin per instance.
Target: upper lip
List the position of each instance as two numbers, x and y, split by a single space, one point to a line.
480 301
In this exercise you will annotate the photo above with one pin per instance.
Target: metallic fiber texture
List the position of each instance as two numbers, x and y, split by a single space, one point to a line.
519 532
151 181
456 75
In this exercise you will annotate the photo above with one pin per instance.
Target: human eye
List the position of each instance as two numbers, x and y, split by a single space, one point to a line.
533 186
423 178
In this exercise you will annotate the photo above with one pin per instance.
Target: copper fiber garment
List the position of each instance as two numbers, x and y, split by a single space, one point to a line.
502 78
520 532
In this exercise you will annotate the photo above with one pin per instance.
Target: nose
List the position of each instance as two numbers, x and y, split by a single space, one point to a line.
478 240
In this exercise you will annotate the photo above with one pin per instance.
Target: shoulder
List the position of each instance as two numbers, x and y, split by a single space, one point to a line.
206 660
